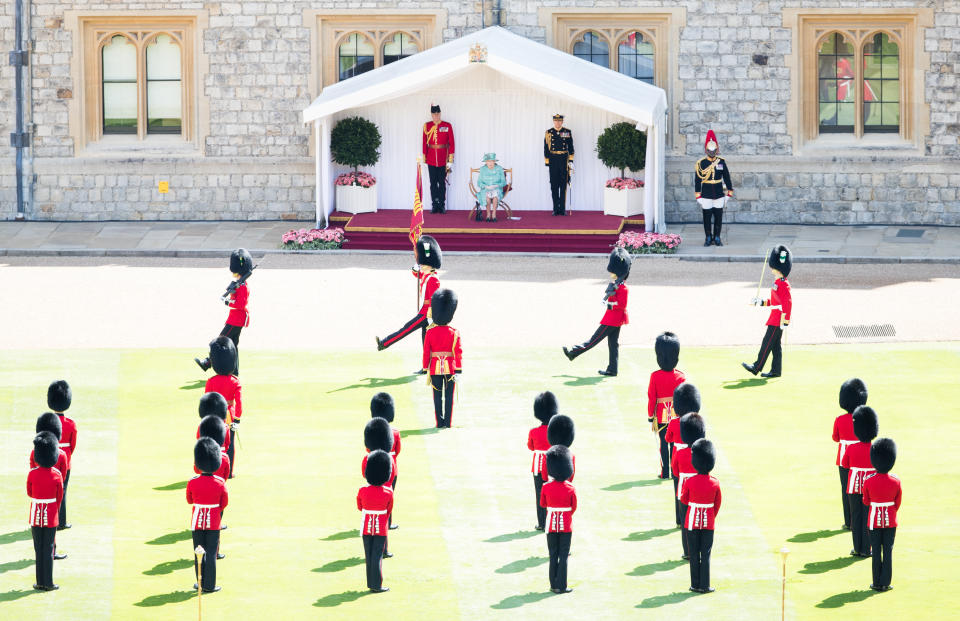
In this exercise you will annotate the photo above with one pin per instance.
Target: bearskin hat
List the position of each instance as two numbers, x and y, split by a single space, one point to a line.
686 399
619 263
377 434
206 455
59 396
213 404
865 424
213 427
703 456
560 430
692 428
883 454
443 305
853 393
559 463
46 450
48 421
379 467
381 406
781 260
428 252
434 108
223 355
545 407
241 262
667 347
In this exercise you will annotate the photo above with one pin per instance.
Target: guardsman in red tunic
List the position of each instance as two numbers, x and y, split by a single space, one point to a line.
781 309
686 400
857 460
544 408
381 406
59 398
443 355
429 259
853 394
660 394
559 498
207 493
214 428
45 489
701 495
561 431
378 436
692 429
223 356
615 297
375 502
49 421
236 298
213 404
882 494
438 148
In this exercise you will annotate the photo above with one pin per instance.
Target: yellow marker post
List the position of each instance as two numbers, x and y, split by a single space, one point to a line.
198 553
163 187
783 585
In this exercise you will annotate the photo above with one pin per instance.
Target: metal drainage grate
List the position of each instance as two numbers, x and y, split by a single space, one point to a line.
863 331
910 233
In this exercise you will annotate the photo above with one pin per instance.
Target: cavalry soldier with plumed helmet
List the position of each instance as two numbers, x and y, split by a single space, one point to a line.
558 157
711 175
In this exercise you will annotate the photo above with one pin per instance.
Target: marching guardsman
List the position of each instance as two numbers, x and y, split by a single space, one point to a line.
443 355
882 494
237 297
709 179
560 432
558 156
615 297
857 459
429 260
686 400
375 501
207 493
45 489
781 309
660 394
223 357
438 148
559 498
701 495
853 394
59 398
692 428
544 408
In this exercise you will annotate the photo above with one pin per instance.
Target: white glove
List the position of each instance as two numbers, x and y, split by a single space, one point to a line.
449 167
756 302
570 166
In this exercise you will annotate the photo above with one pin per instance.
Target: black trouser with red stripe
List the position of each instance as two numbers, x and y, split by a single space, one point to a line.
858 525
770 345
676 502
844 475
62 517
420 321
232 451
612 334
664 452
443 387
44 547
701 544
373 548
438 188
684 533
881 539
558 545
541 511
210 541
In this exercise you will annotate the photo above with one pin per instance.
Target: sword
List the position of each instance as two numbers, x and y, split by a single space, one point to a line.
569 193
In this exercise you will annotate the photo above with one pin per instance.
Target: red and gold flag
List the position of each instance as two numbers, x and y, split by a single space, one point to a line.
416 218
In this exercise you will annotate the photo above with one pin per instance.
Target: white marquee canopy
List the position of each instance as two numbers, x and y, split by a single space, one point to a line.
503 105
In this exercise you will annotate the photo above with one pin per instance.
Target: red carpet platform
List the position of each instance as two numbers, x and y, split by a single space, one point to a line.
534 231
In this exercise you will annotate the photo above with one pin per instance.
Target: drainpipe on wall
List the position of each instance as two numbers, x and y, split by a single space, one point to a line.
499 14
18 139
483 14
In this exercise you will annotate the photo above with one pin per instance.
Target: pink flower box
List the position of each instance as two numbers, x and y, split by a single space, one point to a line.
649 243
312 239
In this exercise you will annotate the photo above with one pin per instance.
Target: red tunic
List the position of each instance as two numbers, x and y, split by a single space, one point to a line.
239 315
660 394
843 434
224 470
427 285
61 465
442 351
857 458
229 387
538 443
45 489
547 477
393 471
208 495
438 143
376 503
673 434
683 467
226 441
616 314
559 498
780 303
882 494
68 438
701 494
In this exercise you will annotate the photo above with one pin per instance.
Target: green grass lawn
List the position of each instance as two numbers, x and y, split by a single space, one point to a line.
466 548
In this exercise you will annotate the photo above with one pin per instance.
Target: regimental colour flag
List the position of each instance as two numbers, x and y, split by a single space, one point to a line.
416 218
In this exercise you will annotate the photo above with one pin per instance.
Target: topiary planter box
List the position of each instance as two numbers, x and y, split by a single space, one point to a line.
622 202
356 199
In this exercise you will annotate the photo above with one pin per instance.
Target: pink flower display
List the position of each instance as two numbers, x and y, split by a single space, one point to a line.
312 239
649 243
364 180
624 183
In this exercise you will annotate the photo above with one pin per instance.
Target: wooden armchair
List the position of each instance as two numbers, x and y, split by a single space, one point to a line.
478 209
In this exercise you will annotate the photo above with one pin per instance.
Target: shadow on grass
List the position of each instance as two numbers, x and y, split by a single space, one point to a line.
168 567
575 380
517 566
378 382
646 535
19 535
814 535
520 534
652 568
822 567
515 601
744 383
346 534
194 385
406 433
171 487
340 598
9 596
662 600
339 565
619 487
165 598
162 540
15 565
838 600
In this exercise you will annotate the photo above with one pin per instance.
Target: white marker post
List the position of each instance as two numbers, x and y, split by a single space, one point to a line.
199 553
783 584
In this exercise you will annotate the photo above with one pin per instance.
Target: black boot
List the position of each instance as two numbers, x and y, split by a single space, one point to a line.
717 226
749 367
204 364
708 241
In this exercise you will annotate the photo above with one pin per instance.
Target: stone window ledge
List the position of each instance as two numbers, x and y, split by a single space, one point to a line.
876 145
152 147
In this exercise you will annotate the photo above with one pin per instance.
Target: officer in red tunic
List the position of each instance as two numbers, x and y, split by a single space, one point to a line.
223 356
207 493
429 259
853 394
615 297
692 428
686 400
559 498
438 148
236 298
59 398
701 495
857 459
375 502
660 394
882 495
781 309
443 355
560 432
544 408
45 489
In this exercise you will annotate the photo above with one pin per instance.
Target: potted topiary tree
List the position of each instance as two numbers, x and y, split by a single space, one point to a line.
355 142
622 146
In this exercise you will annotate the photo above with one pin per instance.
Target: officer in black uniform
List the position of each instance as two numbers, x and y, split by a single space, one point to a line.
558 155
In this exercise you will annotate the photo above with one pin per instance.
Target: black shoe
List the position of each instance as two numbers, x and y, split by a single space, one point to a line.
420 372
213 590
663 476
707 241
845 527
749 367
685 557
716 241
538 527
203 364
707 590
493 220
223 527
388 555
221 556
51 587
380 346
854 553
382 589
560 591
393 527
566 352
195 586
37 587
59 557
887 588
770 374
64 526
606 373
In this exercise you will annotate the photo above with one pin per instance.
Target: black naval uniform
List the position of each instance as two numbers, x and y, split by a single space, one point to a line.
557 154
709 180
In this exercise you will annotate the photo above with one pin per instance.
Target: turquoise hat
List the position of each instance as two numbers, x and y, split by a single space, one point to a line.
490 156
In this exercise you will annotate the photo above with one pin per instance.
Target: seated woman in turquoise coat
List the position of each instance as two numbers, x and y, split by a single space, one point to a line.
490 184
